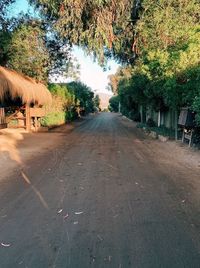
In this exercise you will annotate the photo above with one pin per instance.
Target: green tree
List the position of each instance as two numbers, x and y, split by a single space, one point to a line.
102 27
31 46
114 79
168 57
97 101
6 25
169 51
4 20
83 96
5 39
28 53
62 108
114 104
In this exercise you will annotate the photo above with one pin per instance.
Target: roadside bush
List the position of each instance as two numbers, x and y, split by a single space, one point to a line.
151 123
196 107
135 116
114 104
141 125
69 116
162 130
62 109
54 119
196 137
84 96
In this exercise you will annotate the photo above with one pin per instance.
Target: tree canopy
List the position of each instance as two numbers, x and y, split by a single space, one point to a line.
83 95
102 27
157 42
114 104
29 45
4 21
27 42
166 72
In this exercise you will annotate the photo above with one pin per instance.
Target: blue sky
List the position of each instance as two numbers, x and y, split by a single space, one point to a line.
90 72
20 5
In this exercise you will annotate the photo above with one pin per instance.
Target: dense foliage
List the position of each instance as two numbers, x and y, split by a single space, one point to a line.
158 41
70 101
167 71
114 104
103 27
97 102
4 21
147 34
83 96
27 52
30 46
62 108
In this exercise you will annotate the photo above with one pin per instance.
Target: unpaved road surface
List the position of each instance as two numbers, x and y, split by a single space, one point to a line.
104 196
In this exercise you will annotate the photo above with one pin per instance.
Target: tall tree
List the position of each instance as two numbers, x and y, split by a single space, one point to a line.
6 24
27 51
4 21
30 46
97 101
167 70
114 79
103 27
83 95
114 104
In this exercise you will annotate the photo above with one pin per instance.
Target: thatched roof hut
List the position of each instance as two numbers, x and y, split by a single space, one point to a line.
15 86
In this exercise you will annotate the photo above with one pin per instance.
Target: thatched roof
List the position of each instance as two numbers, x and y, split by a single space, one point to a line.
20 86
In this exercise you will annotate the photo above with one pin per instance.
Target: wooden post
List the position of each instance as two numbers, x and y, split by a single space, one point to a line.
183 135
28 118
141 114
3 123
159 118
176 124
36 124
2 116
119 108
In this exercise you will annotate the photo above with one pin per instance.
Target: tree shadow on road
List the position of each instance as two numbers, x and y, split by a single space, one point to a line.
8 144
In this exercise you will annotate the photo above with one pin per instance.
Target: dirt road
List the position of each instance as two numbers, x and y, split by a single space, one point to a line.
104 196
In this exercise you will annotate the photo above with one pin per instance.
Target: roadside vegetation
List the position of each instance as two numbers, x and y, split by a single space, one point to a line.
156 42
166 72
70 101
31 46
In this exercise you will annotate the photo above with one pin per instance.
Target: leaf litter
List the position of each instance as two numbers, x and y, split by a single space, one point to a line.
6 245
60 210
79 212
66 216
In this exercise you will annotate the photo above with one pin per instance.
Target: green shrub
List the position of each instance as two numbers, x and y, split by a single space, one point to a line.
151 123
114 104
134 115
141 125
53 119
162 130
